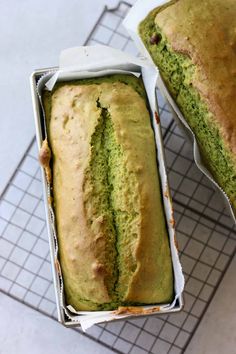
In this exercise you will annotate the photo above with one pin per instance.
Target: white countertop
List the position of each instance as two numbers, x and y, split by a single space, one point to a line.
217 331
32 332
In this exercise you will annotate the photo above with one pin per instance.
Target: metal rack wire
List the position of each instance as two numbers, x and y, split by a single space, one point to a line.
205 233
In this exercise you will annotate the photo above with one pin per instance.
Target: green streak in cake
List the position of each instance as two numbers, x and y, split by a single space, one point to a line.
97 181
112 197
178 71
123 199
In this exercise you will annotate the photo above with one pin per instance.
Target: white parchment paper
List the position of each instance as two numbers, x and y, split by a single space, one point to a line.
87 62
137 13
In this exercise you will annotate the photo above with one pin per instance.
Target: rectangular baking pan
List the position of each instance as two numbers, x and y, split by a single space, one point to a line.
40 135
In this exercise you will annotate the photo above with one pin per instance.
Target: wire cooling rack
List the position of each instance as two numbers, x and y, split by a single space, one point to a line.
205 232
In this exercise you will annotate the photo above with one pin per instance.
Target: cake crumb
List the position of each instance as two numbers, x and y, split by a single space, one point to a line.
44 159
157 117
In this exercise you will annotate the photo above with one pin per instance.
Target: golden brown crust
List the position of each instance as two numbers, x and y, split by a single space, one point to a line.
70 141
206 32
44 159
133 310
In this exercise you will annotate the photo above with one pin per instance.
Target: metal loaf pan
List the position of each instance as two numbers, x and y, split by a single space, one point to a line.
40 135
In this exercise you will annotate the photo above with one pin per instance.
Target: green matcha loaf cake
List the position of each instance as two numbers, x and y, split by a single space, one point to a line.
193 43
113 243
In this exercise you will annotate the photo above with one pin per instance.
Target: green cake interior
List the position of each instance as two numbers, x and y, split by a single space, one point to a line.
109 182
177 71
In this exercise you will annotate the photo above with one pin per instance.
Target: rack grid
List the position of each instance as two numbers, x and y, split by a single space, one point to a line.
205 232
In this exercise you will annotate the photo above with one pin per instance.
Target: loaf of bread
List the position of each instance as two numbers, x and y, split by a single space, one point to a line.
193 43
113 243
